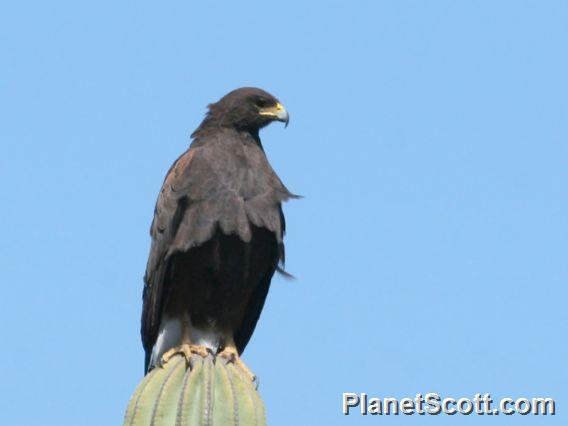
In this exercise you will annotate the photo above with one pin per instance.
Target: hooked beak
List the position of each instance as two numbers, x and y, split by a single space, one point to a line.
277 112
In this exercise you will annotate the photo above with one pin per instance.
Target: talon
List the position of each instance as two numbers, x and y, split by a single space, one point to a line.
250 375
231 356
187 351
166 356
202 351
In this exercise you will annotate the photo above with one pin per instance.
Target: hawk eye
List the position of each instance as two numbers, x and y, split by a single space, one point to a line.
262 103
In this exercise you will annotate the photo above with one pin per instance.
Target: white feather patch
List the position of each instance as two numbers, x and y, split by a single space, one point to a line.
178 331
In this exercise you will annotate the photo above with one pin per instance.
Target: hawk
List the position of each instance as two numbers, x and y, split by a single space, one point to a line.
217 236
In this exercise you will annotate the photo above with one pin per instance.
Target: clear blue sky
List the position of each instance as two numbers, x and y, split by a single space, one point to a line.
428 138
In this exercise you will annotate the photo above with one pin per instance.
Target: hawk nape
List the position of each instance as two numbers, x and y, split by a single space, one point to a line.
216 235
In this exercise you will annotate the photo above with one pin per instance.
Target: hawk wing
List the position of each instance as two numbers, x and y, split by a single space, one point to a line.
258 296
172 203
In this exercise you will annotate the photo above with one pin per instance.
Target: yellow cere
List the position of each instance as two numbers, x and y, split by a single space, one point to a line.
273 110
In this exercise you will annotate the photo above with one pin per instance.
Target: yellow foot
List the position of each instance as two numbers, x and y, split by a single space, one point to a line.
187 351
231 355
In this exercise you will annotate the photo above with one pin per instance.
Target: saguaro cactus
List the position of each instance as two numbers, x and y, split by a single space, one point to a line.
205 391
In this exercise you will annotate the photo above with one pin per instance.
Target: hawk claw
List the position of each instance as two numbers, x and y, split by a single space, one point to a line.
231 356
187 351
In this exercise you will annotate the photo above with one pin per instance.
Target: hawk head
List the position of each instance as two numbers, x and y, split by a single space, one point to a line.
247 108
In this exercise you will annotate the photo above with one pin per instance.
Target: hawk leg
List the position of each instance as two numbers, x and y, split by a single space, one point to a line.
231 355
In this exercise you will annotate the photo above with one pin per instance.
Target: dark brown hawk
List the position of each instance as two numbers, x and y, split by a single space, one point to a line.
216 235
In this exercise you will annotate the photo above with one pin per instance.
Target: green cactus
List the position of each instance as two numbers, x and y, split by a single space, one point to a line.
206 391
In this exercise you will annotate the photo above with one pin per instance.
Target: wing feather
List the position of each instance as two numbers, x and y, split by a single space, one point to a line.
171 206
